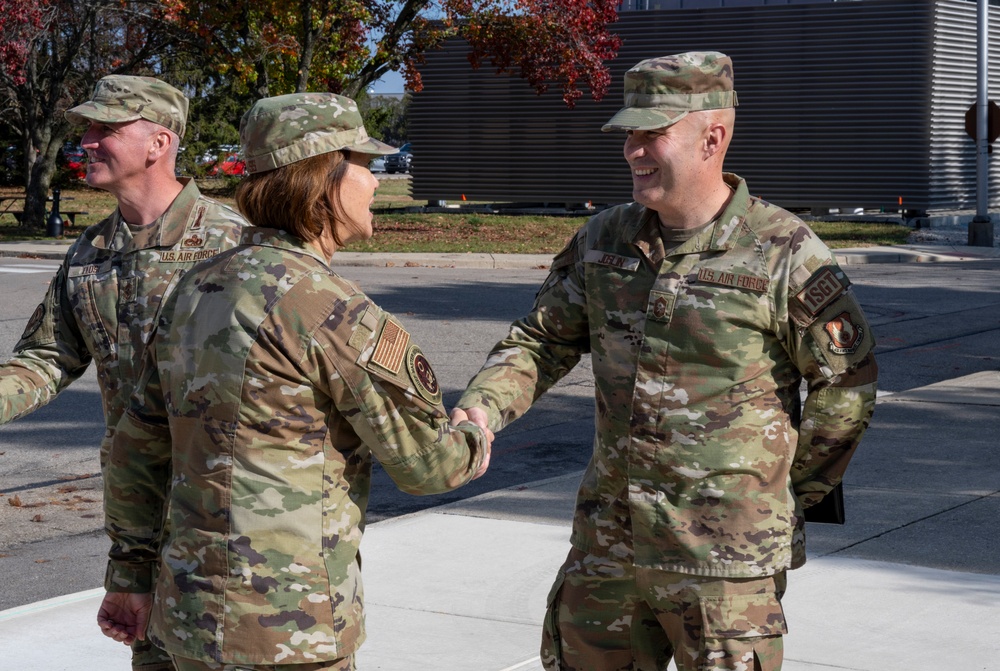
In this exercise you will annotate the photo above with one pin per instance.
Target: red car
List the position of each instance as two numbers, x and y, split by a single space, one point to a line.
231 164
75 163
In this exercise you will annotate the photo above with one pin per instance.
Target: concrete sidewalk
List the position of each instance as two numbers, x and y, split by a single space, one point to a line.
912 581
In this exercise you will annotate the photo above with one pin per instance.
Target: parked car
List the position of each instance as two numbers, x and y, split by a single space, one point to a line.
400 161
377 164
229 164
11 172
74 162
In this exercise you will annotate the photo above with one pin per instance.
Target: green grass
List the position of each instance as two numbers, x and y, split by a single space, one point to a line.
451 232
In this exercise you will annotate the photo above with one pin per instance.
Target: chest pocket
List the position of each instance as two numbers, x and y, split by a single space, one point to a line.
94 299
717 320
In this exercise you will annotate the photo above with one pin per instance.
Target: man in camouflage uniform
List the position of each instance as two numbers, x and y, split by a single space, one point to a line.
703 310
104 299
269 388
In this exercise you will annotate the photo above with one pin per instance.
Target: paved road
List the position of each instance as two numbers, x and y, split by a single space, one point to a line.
934 322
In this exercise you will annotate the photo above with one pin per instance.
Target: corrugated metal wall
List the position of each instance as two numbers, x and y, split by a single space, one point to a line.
841 104
953 91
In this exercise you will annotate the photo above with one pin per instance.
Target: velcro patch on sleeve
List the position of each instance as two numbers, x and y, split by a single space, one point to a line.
842 335
363 330
822 289
421 375
390 349
34 322
846 334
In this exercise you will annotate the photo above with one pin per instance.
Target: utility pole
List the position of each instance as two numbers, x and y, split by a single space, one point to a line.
981 227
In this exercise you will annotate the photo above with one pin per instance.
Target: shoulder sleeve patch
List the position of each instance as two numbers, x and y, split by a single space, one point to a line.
34 322
842 335
41 327
822 289
421 375
390 348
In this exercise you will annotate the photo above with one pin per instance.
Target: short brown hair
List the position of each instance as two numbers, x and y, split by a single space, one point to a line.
300 198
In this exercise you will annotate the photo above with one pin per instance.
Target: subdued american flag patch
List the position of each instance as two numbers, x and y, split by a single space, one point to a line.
391 346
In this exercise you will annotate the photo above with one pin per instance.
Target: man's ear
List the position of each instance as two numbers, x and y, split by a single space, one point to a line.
716 136
159 144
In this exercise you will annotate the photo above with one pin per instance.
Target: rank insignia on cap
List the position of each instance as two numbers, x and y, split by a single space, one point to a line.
422 376
822 289
845 335
34 322
391 346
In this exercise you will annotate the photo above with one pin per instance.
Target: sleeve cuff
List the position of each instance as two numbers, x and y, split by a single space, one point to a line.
129 577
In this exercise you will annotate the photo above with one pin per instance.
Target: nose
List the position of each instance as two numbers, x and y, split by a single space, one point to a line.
632 147
90 137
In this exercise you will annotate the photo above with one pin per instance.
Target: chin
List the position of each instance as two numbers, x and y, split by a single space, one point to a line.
93 180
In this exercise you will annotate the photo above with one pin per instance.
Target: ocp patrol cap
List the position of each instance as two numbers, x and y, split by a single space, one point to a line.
286 129
121 98
659 92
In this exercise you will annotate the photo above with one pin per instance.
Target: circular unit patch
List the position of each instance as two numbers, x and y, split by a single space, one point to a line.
34 322
423 378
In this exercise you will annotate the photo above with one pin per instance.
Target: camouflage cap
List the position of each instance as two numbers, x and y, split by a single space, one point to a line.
289 128
659 92
120 98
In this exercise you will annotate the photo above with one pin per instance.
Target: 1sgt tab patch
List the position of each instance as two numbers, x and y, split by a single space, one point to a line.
823 288
421 375
390 347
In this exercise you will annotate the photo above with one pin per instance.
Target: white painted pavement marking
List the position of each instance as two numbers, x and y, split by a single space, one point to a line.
28 269
524 665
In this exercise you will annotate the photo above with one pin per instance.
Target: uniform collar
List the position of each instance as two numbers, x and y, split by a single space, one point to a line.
645 232
273 237
114 233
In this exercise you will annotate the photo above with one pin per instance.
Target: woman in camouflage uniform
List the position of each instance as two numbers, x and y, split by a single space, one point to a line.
269 387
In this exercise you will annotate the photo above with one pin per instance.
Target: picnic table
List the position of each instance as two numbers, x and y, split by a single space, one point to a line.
7 206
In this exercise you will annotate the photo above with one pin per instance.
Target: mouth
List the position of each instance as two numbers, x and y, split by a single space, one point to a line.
643 172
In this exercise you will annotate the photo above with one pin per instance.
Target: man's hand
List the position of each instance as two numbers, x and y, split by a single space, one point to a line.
479 418
123 616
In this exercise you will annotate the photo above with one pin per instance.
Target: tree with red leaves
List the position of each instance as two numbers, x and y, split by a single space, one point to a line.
60 49
281 46
54 51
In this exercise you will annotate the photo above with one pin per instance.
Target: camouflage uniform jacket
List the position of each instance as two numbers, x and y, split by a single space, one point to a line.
268 388
104 300
704 455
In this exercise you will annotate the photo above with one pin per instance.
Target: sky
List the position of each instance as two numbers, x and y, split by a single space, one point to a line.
390 83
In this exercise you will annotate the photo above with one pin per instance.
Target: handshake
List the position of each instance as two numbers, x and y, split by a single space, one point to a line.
477 417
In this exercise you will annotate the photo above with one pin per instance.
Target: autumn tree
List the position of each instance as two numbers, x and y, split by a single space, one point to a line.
60 49
281 46
228 53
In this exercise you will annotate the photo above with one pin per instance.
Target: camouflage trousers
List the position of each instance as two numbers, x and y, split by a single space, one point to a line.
611 616
341 664
147 657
